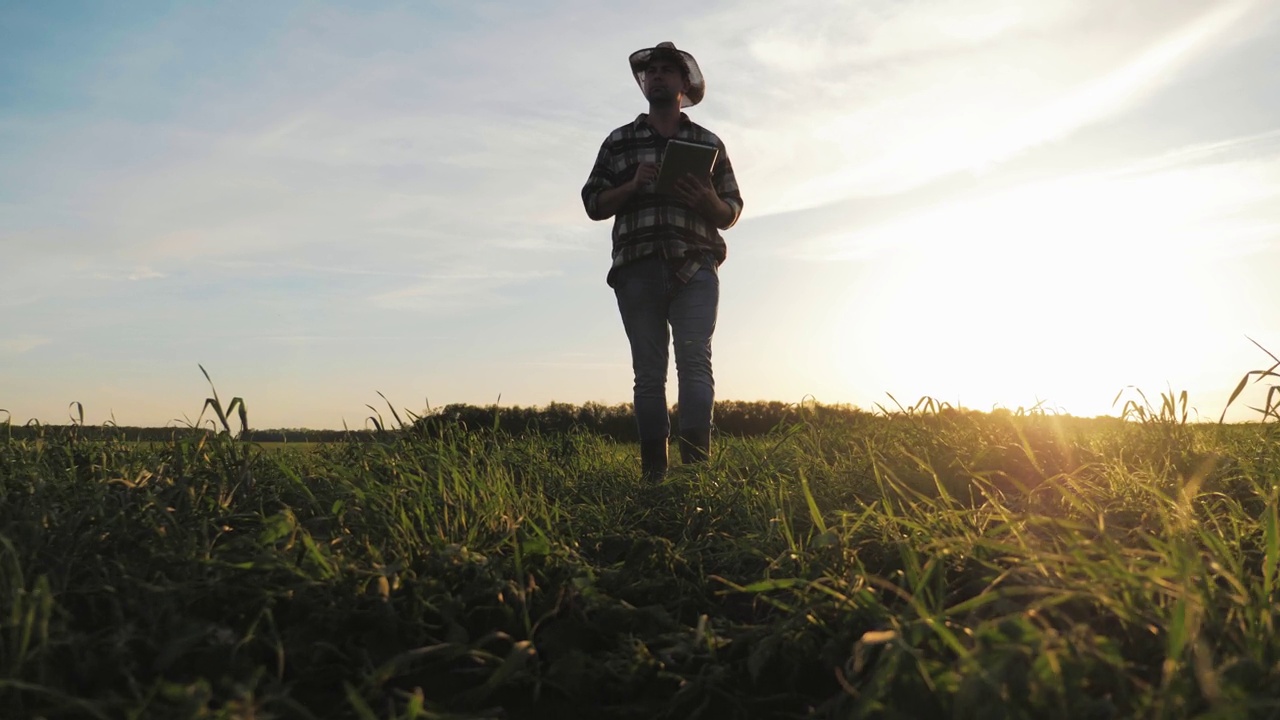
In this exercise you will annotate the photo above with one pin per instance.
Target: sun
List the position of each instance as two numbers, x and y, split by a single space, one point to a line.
1060 292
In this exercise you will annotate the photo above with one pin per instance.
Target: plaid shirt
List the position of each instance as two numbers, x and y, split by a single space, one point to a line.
651 223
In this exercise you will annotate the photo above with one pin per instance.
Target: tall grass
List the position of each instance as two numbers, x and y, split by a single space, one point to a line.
919 562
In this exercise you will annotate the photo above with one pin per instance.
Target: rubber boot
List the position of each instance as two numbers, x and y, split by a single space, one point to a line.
695 445
653 458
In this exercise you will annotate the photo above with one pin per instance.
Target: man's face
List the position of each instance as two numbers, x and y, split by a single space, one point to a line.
664 81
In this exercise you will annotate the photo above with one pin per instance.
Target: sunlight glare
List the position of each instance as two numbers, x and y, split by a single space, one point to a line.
1064 291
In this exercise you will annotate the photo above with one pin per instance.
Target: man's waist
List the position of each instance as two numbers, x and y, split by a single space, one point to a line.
683 262
669 250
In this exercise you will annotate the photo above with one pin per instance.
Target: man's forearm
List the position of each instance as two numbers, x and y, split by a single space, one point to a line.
610 201
722 213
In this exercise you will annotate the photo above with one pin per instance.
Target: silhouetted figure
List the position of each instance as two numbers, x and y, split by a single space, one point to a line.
666 251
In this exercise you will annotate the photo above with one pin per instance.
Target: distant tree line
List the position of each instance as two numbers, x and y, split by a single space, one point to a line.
733 417
109 431
33 431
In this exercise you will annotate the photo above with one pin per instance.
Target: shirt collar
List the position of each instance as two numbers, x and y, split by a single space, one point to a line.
643 119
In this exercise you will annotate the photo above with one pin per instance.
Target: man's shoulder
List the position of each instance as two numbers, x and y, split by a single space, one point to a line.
703 135
623 132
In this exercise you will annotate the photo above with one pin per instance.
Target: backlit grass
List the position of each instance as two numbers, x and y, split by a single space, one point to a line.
919 563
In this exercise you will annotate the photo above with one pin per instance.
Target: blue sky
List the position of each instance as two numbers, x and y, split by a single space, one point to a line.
989 202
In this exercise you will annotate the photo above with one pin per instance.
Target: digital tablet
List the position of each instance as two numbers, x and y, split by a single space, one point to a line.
683 157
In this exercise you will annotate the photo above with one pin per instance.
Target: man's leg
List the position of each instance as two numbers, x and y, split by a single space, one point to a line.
641 289
693 321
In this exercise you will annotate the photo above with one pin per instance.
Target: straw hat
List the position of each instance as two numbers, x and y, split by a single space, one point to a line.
697 84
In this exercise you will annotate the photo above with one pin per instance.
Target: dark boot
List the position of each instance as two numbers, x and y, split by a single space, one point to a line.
695 445
653 458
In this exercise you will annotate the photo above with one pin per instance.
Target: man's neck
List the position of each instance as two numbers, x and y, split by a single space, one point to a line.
665 119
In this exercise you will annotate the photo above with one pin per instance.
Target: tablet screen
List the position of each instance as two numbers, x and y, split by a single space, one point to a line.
683 157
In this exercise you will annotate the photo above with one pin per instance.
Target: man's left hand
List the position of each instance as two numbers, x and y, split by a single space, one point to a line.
698 193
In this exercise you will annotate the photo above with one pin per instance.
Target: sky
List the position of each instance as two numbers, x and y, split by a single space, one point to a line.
992 203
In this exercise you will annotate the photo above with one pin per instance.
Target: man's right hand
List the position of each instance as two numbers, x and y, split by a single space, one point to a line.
611 200
646 174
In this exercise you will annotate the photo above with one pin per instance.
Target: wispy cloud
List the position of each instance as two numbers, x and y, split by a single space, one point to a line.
1115 91
357 340
879 98
576 360
294 268
1256 147
139 273
1206 200
458 292
22 344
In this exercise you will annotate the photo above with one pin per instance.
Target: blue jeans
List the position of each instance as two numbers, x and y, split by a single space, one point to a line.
651 299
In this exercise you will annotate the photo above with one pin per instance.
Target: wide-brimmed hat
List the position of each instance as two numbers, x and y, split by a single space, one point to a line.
697 84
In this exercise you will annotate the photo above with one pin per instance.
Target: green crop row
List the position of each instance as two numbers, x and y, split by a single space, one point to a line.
914 563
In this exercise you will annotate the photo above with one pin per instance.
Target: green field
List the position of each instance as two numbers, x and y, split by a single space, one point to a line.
916 564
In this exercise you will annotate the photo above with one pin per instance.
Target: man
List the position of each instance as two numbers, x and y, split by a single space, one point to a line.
666 251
